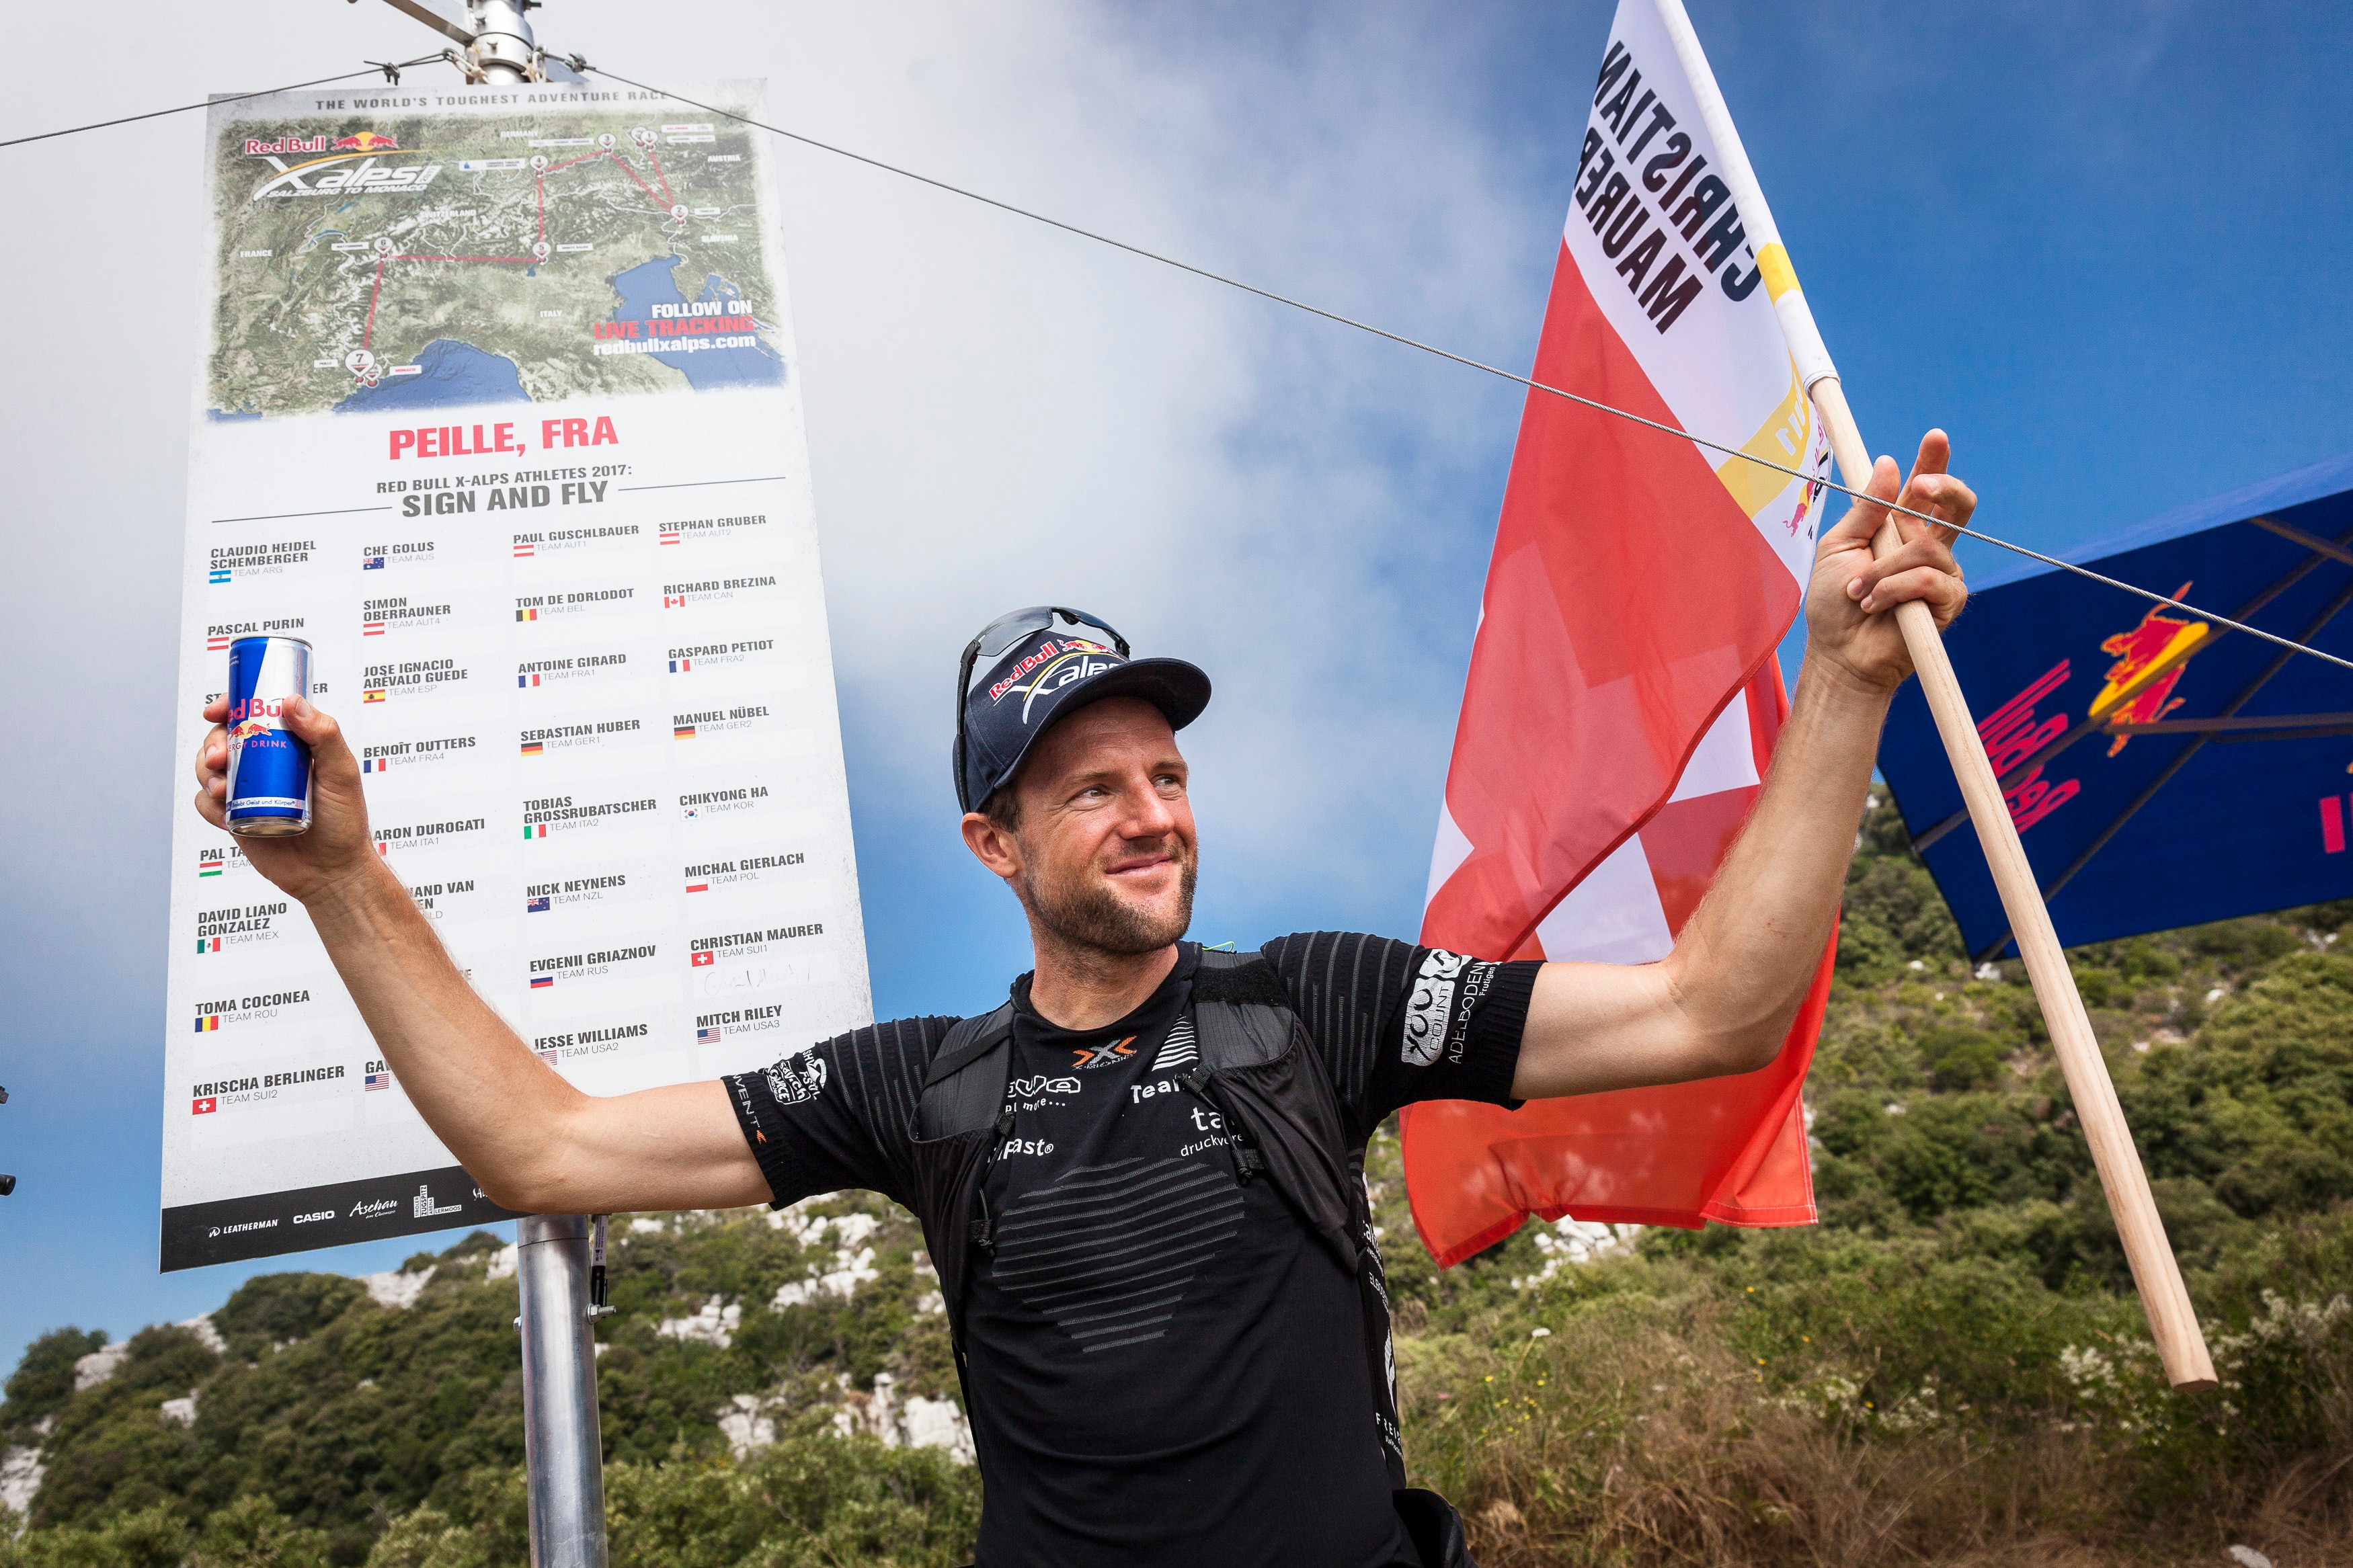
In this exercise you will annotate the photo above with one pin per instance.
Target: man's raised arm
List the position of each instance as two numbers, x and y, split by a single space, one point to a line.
1723 1001
531 1141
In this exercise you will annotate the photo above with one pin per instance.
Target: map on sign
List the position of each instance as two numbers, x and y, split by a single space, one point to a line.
409 260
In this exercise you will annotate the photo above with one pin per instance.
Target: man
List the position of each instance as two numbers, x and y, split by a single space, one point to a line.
1141 1177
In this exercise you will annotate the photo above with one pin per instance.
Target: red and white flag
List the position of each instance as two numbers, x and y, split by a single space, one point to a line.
1624 696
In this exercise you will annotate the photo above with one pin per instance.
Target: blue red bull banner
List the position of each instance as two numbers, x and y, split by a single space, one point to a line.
2162 771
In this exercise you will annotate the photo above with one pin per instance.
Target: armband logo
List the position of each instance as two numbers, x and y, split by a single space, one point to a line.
1430 1010
792 1082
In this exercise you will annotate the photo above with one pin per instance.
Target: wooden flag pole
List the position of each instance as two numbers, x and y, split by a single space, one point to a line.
2172 1322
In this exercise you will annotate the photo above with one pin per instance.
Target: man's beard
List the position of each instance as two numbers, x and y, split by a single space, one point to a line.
1088 913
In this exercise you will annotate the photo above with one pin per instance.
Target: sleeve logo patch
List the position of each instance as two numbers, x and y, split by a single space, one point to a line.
792 1082
1446 993
1430 1010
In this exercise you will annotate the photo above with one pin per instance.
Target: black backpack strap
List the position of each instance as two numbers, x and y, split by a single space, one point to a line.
1249 1023
1245 1023
964 1088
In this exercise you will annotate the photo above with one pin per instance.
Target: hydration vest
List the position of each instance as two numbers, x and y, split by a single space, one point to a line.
1259 1071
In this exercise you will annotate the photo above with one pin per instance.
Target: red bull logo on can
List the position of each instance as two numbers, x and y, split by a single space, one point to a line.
368 142
2161 642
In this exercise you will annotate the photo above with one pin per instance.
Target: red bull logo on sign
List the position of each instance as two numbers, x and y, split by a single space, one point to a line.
2159 642
368 142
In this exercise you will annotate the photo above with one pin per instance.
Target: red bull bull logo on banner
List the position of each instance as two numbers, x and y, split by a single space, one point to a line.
2159 642
368 142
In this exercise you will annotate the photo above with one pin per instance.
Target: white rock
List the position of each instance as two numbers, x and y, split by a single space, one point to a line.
641 1225
182 1412
501 1264
713 1325
1571 1240
2247 1557
912 1423
1989 971
841 1282
747 1430
98 1365
394 1289
202 1327
20 1477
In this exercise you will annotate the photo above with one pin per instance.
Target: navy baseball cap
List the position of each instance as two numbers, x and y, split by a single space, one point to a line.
1049 662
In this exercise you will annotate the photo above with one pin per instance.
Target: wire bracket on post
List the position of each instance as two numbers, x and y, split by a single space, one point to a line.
596 1308
391 71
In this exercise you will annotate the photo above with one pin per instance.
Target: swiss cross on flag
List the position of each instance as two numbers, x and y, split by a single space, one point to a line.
204 1107
704 960
1623 699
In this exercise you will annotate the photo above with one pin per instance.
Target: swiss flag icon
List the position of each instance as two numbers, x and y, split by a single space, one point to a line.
204 1107
705 960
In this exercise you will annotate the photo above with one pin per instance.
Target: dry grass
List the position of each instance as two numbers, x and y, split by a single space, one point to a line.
1635 1437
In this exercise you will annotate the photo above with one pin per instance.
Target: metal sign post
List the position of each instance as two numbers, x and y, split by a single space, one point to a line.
564 1454
563 1448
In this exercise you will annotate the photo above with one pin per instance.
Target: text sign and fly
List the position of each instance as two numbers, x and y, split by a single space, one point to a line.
499 410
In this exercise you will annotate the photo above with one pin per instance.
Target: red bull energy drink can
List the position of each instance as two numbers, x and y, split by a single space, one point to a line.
268 769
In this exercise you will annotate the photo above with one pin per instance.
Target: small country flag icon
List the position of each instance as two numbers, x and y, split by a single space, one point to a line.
673 601
526 681
698 887
214 645
522 550
374 764
220 575
373 563
551 1058
533 748
680 666
210 867
707 1036
534 830
541 981
681 732
209 1024
691 814
704 960
378 1081
372 696
537 906
208 944
383 847
371 629
669 536
204 1107
531 615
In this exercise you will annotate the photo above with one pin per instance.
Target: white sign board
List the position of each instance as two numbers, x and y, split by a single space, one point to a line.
499 410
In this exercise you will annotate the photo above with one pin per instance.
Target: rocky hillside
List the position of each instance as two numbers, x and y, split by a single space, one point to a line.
1950 1368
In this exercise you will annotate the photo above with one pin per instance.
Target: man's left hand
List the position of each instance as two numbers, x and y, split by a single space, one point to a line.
1846 600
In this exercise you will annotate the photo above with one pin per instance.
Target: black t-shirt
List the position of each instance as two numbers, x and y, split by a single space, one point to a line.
1166 1367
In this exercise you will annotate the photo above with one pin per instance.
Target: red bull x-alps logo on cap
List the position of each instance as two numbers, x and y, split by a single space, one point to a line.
1055 663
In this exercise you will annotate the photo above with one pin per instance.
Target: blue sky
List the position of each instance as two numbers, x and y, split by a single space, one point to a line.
2104 246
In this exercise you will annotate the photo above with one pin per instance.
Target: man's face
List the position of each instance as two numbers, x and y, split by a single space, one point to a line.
1103 855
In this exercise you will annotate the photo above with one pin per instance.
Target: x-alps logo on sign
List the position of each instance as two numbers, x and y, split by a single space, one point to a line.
329 176
1103 1056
